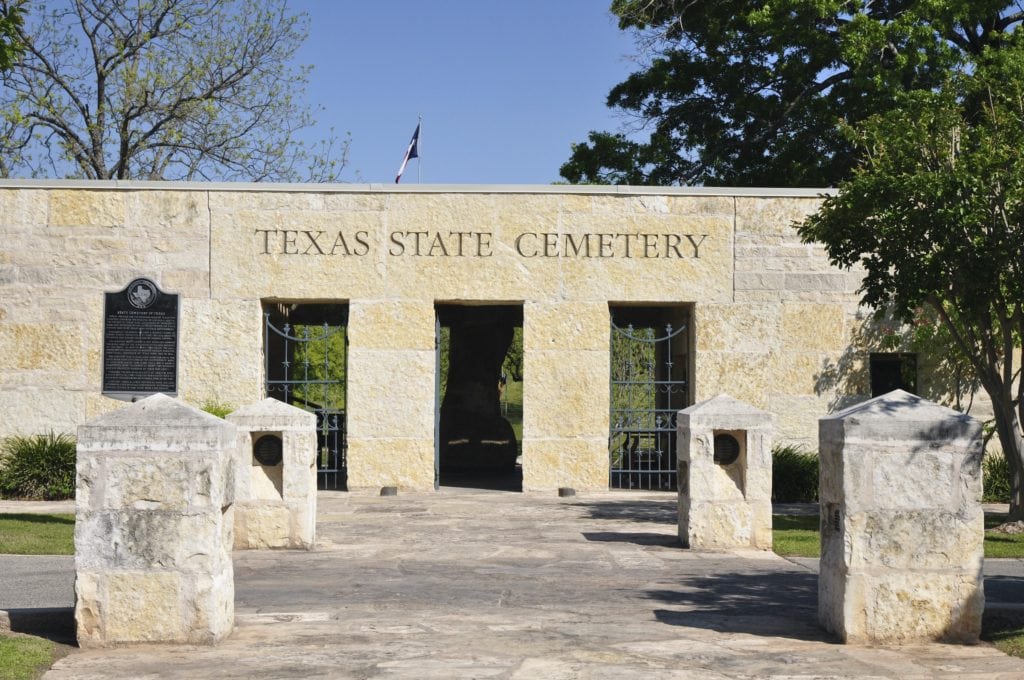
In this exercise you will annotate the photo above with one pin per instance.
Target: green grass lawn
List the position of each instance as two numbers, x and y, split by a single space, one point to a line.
1002 545
797 536
23 534
1005 630
23 657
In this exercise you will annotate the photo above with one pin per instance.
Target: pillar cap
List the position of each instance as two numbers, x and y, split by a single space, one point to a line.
906 415
725 412
275 410
161 417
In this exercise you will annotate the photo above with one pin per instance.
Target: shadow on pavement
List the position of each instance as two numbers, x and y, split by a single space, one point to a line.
803 628
640 538
1004 589
635 510
53 623
37 518
781 604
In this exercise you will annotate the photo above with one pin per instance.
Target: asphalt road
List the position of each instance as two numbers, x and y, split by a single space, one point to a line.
36 581
45 581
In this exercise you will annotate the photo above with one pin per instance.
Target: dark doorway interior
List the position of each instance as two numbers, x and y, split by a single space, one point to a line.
477 444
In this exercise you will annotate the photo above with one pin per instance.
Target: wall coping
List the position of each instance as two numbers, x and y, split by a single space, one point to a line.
614 190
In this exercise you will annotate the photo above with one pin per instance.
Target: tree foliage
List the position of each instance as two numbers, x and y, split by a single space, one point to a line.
11 19
753 93
159 89
512 366
319 363
935 217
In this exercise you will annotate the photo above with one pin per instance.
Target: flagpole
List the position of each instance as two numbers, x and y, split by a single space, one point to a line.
419 160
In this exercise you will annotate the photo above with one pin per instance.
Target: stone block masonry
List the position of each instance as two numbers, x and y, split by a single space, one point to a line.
275 473
902 527
725 475
769 314
153 531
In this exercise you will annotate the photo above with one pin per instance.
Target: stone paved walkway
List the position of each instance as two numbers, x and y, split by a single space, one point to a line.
464 584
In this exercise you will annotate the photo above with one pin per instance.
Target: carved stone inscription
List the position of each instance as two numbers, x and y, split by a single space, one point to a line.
527 245
140 341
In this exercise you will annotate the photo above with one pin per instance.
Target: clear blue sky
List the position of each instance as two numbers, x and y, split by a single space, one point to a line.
503 87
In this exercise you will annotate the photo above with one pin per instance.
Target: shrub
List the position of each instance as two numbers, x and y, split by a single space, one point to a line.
216 408
38 467
995 475
794 475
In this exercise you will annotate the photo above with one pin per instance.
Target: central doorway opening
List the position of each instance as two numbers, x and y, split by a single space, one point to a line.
478 416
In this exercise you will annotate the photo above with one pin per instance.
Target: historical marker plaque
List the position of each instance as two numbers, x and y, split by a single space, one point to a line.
268 450
140 342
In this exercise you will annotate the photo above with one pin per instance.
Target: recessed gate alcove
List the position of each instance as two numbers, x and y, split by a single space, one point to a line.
479 359
650 365
305 356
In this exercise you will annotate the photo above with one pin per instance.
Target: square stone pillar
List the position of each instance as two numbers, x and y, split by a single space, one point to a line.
902 527
275 492
153 530
724 459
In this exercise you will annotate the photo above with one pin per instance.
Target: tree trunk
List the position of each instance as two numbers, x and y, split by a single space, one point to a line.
1010 438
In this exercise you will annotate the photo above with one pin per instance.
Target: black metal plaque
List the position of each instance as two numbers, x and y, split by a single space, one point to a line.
727 449
268 450
140 342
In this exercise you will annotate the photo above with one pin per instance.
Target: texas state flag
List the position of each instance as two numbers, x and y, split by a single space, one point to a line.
410 153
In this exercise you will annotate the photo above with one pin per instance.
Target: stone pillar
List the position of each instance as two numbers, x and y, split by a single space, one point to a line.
390 408
566 396
153 533
902 527
275 475
725 475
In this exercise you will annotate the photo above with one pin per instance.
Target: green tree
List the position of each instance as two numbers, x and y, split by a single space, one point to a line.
11 19
935 217
159 89
752 93
320 361
512 366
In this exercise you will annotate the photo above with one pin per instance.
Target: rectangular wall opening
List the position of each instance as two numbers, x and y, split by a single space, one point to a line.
892 371
305 349
479 410
650 368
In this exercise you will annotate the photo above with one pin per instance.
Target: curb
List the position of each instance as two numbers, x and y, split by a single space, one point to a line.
8 507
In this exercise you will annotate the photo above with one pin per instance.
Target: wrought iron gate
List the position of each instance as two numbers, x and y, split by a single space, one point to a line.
648 388
306 367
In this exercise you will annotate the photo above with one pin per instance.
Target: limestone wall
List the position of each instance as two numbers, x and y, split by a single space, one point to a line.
60 249
769 314
779 342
